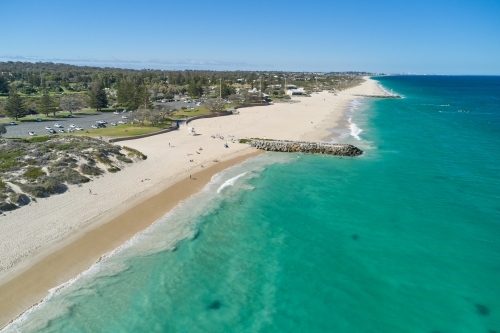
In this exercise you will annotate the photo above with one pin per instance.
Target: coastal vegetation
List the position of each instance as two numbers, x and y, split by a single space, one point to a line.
48 88
43 166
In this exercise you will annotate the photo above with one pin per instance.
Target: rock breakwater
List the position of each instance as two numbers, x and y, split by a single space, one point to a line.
307 147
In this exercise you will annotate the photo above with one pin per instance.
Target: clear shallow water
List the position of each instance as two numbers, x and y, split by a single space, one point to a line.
402 239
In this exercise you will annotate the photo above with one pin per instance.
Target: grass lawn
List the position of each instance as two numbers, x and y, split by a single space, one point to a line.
121 130
190 113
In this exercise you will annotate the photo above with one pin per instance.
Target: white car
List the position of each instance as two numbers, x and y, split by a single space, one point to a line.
94 126
116 112
57 125
62 131
124 117
48 128
101 122
78 128
113 124
31 133
72 125
122 122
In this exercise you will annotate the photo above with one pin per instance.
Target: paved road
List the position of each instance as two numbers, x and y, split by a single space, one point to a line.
84 121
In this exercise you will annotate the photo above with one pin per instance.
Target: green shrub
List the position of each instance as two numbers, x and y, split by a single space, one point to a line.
6 206
41 190
3 185
123 159
70 176
41 138
20 199
114 169
99 156
134 153
65 146
245 140
34 173
90 170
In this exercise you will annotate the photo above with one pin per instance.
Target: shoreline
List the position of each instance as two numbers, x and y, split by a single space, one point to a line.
108 226
61 264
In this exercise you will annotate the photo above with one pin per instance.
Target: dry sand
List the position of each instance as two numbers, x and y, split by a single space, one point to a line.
54 239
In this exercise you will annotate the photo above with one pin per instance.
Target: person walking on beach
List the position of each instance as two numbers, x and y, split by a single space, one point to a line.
90 191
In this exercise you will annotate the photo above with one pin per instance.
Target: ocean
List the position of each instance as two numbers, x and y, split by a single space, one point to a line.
402 239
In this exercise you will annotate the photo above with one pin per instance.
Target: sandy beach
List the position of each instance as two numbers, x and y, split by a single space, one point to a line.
53 240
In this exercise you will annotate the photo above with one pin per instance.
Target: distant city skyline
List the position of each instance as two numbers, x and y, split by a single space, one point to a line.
445 37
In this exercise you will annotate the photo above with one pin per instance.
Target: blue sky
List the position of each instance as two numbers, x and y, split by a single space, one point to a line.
433 37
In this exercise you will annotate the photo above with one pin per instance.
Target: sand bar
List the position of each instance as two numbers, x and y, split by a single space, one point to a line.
53 240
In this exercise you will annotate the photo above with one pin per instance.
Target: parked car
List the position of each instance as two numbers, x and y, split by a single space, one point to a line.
12 123
101 122
69 116
38 119
122 122
124 117
57 125
113 124
51 131
31 133
62 131
101 126
78 128
95 126
72 125
116 112
48 128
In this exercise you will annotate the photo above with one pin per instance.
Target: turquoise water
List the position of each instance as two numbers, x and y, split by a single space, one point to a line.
402 239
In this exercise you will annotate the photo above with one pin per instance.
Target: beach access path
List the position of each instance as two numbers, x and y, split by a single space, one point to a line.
36 241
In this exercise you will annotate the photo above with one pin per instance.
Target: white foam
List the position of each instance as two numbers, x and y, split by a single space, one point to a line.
230 182
355 131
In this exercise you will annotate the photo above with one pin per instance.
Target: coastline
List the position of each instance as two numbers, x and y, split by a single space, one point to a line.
62 263
111 224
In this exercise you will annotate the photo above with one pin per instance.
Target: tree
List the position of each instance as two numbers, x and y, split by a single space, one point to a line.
214 105
97 96
227 90
46 105
3 130
4 85
71 103
195 90
15 107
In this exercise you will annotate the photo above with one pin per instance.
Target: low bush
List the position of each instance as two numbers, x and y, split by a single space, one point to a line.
7 206
114 169
41 190
34 173
123 159
20 199
90 170
134 153
70 176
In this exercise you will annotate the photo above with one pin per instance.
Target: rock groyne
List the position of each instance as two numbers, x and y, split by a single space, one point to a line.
307 147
